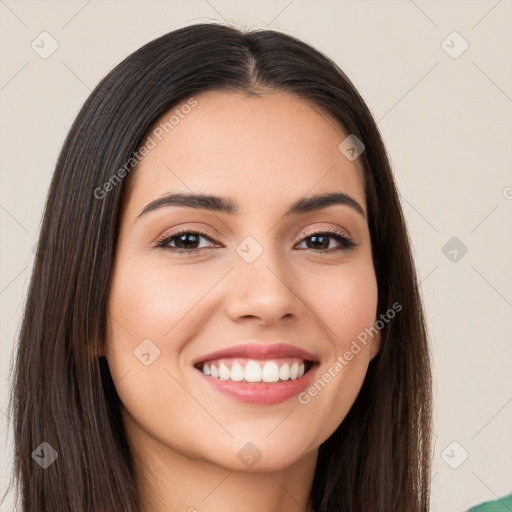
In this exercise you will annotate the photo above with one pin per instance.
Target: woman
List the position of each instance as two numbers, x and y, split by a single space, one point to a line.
224 312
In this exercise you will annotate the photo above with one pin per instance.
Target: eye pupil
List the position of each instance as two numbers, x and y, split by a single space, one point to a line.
315 238
183 239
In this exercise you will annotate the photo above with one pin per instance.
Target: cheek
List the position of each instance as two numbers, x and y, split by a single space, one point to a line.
150 301
147 306
346 303
345 300
152 313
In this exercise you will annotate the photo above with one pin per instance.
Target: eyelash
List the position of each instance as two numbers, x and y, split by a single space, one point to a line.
345 243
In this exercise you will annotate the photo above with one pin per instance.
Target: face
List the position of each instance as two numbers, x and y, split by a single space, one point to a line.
226 323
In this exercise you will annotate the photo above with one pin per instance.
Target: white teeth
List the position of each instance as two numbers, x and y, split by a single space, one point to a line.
252 372
255 371
237 372
284 372
270 372
224 372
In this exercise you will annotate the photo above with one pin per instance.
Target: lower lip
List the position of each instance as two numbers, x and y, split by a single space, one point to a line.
261 393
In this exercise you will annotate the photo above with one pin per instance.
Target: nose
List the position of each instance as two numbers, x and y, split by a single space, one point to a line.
263 290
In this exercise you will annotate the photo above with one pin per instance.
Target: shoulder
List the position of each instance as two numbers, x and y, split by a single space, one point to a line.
503 504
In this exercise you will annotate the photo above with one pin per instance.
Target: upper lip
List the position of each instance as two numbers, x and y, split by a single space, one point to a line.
259 351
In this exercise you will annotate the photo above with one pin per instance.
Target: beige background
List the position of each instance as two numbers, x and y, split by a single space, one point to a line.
446 122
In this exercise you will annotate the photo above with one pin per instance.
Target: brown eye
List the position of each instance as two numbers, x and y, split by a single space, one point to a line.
184 241
320 241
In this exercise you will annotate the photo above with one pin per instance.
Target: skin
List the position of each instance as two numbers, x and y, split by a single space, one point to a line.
265 153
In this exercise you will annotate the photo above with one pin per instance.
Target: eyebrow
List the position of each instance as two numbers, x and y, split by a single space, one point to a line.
227 205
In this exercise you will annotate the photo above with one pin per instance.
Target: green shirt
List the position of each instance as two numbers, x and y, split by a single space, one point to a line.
503 504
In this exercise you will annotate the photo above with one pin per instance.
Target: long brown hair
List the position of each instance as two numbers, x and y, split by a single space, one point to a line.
377 460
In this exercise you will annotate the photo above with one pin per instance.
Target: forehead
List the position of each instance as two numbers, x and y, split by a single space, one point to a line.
274 147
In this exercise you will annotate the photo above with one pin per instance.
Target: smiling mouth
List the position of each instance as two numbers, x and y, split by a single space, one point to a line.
256 370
